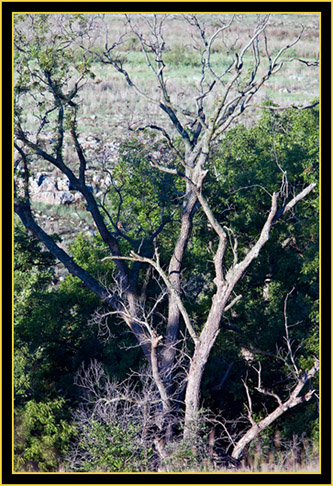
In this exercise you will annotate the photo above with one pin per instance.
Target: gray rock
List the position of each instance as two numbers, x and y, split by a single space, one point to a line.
63 184
78 197
53 197
47 185
66 197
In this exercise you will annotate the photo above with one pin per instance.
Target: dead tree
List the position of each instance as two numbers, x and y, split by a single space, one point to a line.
300 391
222 98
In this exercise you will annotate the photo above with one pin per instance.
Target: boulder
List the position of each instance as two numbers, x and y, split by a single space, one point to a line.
53 197
48 185
78 197
63 184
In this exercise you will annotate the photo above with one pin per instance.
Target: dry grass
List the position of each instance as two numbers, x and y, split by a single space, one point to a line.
312 468
285 467
108 104
115 104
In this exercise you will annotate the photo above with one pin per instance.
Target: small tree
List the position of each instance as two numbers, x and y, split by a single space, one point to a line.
114 423
51 72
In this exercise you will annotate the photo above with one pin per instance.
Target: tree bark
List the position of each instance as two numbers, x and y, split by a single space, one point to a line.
174 314
200 357
225 286
292 401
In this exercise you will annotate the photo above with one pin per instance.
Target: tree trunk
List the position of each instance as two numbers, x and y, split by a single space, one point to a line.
172 331
200 357
192 396
24 212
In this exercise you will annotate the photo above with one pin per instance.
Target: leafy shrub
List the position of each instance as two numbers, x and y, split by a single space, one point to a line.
180 57
107 447
41 436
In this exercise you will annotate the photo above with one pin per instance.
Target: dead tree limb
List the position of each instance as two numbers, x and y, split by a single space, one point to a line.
294 399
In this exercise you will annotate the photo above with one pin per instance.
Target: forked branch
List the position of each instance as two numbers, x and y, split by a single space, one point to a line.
294 399
156 264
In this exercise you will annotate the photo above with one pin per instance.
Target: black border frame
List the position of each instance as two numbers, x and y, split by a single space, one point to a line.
325 477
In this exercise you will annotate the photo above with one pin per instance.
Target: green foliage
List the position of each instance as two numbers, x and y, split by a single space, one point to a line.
109 447
245 160
52 337
32 265
45 43
41 435
88 253
33 273
48 324
51 331
52 318
144 197
50 67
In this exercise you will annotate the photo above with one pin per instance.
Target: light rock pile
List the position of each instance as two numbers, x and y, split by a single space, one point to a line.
52 187
46 189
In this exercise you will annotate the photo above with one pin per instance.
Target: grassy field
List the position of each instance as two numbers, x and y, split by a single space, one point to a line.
108 106
110 102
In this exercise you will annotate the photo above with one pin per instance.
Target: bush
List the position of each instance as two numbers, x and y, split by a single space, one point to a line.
179 57
41 436
107 447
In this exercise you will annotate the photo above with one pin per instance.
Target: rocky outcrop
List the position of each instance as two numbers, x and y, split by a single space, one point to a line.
48 190
56 197
52 187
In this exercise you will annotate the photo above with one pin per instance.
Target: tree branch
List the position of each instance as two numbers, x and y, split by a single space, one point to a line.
294 201
155 264
24 212
294 399
237 270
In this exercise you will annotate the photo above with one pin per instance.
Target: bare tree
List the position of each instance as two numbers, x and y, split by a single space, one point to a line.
130 406
221 98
